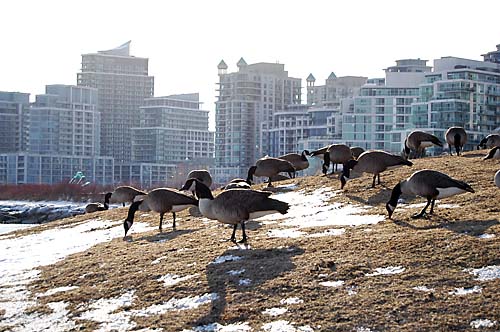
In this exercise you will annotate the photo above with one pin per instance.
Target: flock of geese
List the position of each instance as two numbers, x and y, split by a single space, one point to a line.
238 203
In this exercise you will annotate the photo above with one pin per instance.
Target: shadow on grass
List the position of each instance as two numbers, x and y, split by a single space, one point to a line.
164 235
253 268
466 227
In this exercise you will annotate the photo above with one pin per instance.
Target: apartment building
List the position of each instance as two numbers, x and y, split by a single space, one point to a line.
123 83
247 101
13 121
172 129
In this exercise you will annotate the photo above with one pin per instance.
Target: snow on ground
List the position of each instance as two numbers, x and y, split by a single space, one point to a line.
173 279
291 300
314 210
466 291
275 311
486 273
26 253
479 323
423 289
216 327
285 326
335 284
386 270
7 228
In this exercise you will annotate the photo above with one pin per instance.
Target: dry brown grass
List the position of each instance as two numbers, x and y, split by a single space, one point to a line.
434 251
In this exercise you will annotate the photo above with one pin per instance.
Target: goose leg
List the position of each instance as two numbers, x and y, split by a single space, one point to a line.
269 184
161 220
432 206
378 175
123 204
173 213
449 146
422 213
373 183
244 239
233 237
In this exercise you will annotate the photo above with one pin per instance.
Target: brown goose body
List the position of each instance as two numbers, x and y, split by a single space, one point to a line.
373 162
418 140
236 206
125 194
456 137
161 200
202 175
320 151
490 141
299 161
268 167
94 207
336 154
429 184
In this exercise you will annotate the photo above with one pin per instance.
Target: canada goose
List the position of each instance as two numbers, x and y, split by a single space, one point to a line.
417 141
94 207
337 154
236 206
497 179
237 184
320 151
490 141
457 137
202 175
125 194
493 153
161 200
356 151
268 167
429 184
299 161
374 162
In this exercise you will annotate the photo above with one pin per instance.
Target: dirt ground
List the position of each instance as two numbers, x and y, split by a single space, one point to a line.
435 252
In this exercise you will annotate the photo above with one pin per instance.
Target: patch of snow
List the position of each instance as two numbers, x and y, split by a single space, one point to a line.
386 270
285 326
235 272
337 283
7 228
486 273
466 291
423 289
185 303
25 253
216 327
291 300
351 290
486 236
173 279
479 323
58 290
158 260
226 258
275 311
364 329
57 320
245 282
329 232
286 233
314 210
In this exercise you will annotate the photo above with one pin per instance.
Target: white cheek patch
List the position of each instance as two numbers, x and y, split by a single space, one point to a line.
447 192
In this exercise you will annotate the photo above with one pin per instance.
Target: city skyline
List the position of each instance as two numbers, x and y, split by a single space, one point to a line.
185 41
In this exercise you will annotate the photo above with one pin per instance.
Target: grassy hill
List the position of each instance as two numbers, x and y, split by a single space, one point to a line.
392 275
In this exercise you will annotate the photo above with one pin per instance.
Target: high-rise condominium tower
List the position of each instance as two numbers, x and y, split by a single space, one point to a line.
122 81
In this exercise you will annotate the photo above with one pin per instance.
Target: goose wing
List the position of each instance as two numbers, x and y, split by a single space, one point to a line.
236 204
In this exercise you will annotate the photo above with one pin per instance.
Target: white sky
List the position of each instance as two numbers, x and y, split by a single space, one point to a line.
42 41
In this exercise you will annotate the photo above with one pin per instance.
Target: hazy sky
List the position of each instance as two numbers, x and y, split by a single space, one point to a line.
42 41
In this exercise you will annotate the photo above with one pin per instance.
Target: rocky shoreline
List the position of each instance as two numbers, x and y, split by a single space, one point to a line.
24 212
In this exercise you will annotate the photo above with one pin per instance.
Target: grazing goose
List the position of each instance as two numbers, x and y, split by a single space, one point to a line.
320 151
493 153
337 154
237 184
457 137
429 184
125 194
94 207
236 206
417 141
161 200
374 162
356 151
490 141
497 179
268 167
202 175
299 161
